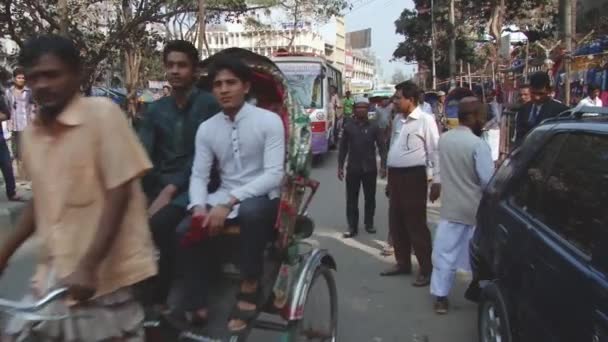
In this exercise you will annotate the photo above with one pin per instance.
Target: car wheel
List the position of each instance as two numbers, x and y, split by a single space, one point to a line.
493 320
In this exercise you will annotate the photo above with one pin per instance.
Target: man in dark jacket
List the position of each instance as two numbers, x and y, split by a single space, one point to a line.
168 131
541 107
360 141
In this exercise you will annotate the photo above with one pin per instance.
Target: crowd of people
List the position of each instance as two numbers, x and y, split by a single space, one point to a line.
425 161
106 196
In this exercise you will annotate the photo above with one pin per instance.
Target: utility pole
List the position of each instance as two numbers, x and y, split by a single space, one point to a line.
433 45
452 51
62 6
567 32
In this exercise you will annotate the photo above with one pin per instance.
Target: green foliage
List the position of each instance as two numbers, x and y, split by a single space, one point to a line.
474 18
102 28
416 46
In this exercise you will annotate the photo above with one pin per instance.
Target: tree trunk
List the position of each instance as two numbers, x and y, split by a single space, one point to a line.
62 6
133 59
202 19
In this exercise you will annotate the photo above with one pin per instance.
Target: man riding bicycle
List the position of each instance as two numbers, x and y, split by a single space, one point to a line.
88 210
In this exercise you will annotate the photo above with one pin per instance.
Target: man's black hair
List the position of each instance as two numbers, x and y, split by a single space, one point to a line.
524 86
184 47
235 66
540 80
421 96
469 107
591 88
18 71
61 47
409 90
167 87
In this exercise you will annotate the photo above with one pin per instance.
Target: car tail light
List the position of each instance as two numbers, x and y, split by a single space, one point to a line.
317 127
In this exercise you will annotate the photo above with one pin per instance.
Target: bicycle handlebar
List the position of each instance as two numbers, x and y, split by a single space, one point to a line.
19 307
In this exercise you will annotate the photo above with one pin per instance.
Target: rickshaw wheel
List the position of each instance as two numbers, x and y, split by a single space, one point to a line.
319 322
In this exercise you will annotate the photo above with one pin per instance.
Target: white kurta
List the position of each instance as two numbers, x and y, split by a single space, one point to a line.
450 253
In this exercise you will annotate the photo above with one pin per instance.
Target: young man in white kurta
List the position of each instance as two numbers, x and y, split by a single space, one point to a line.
466 167
248 145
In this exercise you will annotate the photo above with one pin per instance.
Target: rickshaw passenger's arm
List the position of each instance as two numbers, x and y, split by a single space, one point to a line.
201 169
26 226
274 157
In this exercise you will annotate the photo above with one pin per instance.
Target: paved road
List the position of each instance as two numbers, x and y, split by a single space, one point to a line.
371 308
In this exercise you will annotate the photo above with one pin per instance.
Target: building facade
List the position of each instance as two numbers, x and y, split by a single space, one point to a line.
265 42
360 71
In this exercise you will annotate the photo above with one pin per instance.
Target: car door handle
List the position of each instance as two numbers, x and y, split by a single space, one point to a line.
503 229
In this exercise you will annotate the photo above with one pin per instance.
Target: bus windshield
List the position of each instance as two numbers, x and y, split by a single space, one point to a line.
306 82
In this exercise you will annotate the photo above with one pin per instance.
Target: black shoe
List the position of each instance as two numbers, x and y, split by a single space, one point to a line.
473 292
441 306
350 234
370 229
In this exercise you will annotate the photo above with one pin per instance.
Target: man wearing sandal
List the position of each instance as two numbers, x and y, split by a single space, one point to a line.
88 210
248 144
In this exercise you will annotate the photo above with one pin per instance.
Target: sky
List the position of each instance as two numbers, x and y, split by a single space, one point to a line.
380 16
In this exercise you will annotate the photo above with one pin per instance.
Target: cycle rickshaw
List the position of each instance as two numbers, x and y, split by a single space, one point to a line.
299 289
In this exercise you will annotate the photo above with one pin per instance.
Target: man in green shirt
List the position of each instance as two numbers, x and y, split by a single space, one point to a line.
348 105
168 130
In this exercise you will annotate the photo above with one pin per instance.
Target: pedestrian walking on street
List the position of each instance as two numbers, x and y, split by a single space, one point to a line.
593 98
439 111
6 165
540 108
424 106
466 168
21 105
89 214
348 105
360 141
167 90
413 150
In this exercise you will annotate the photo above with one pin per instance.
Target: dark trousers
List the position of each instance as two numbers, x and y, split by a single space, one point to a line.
354 182
198 264
163 225
407 217
16 144
6 166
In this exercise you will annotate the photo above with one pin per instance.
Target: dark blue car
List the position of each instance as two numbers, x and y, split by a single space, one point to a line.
541 245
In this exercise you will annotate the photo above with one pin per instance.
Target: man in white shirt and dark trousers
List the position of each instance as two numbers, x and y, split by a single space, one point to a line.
413 150
466 168
248 144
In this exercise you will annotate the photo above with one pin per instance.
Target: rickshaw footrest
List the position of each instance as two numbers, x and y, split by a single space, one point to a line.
270 325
